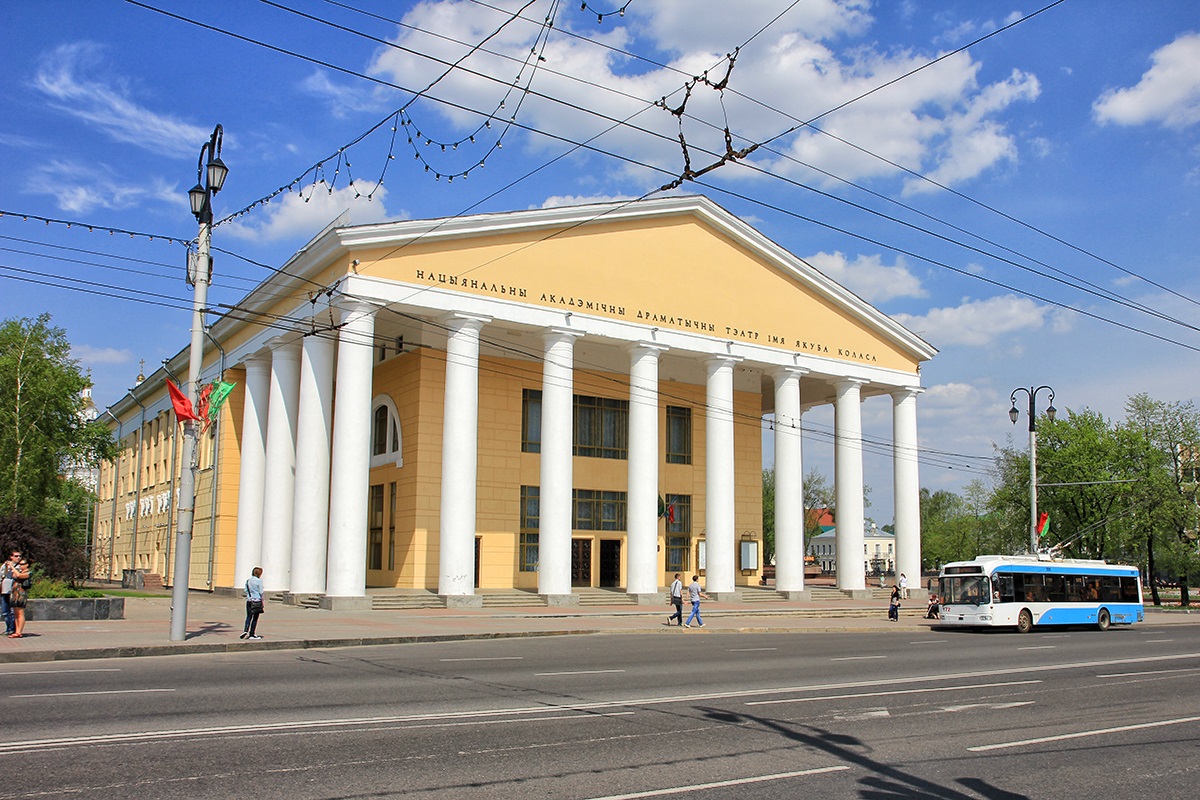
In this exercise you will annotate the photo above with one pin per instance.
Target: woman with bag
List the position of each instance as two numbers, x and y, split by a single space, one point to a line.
21 583
254 603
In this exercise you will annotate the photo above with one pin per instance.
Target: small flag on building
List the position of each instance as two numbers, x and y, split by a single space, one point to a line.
1043 526
182 406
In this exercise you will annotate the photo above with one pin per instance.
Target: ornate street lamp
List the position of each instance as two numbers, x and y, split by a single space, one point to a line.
210 177
1013 414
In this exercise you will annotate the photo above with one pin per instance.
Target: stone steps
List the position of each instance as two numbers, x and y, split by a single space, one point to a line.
407 601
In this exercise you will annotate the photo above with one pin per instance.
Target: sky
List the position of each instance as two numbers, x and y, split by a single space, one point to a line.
1017 184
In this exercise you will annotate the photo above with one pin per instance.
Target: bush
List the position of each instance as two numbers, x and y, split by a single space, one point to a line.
47 554
51 587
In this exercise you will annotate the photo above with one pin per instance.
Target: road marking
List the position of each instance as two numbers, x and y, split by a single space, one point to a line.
874 713
577 672
931 641
857 658
81 694
55 671
490 658
889 693
323 722
992 706
1082 734
1158 641
696 787
752 649
1150 672
1039 647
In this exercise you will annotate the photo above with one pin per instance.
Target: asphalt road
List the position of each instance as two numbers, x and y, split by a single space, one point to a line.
942 714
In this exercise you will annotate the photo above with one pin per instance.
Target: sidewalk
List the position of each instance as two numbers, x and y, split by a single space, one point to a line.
215 622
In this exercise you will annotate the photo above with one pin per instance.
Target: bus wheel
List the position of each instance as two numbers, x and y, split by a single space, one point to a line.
1024 621
1103 620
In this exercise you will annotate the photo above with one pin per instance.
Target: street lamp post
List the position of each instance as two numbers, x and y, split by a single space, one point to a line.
210 177
1013 414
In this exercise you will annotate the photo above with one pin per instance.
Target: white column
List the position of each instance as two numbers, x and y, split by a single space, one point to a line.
789 482
555 504
719 477
350 472
460 459
642 500
281 466
315 423
252 477
848 484
907 484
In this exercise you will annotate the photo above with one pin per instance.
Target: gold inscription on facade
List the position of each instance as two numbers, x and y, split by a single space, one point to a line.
652 317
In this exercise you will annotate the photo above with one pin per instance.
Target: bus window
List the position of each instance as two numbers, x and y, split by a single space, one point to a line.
1003 586
1110 589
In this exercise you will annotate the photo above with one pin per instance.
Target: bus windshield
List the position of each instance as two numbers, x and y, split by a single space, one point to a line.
965 589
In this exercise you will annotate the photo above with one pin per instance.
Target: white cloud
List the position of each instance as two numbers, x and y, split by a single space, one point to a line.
300 214
107 106
869 277
1169 92
79 188
977 323
344 99
940 119
559 200
88 355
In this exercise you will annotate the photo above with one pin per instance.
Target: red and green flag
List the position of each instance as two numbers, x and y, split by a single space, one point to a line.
1043 525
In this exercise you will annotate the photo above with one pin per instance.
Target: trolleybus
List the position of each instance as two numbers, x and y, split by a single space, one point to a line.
1024 591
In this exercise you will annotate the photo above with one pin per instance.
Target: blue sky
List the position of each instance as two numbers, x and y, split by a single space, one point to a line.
1080 124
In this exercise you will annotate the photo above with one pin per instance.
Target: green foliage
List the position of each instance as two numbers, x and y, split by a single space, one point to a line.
49 555
52 587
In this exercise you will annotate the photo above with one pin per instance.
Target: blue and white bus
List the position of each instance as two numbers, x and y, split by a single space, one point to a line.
1024 591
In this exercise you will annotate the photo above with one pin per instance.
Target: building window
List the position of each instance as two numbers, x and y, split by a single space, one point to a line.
601 427
531 421
385 433
530 520
375 538
679 435
679 513
391 526
598 510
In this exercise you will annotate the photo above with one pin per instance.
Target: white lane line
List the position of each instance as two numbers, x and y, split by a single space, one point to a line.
82 694
857 658
752 649
577 672
1082 734
55 672
1148 672
490 658
888 693
696 787
1039 647
1158 641
931 641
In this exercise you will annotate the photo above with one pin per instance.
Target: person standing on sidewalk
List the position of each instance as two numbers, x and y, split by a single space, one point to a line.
6 583
903 587
676 600
254 604
694 594
22 580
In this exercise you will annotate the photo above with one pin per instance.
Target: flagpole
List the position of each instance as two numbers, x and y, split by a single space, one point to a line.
1013 414
209 182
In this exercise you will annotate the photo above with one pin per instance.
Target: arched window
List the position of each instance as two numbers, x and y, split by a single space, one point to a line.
385 433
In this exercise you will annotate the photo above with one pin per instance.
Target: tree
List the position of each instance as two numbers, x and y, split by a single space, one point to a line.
41 425
818 494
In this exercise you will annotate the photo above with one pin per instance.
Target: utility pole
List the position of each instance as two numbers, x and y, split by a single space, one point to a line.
1013 414
209 180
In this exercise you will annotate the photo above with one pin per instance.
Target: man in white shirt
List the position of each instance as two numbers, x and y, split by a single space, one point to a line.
676 600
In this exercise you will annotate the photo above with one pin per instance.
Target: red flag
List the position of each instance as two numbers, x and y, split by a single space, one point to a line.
671 513
183 406
1043 524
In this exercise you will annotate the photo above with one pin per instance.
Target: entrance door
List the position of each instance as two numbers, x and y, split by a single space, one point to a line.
581 562
610 562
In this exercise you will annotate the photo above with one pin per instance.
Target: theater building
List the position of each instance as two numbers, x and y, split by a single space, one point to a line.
539 400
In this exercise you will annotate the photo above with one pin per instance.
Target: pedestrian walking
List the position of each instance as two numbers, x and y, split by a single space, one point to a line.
22 581
694 594
254 604
676 599
894 605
